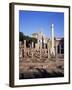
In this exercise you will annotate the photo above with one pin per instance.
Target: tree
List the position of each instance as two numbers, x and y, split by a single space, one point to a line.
34 40
21 36
28 39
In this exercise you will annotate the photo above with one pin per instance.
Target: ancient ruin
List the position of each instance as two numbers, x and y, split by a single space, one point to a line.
45 57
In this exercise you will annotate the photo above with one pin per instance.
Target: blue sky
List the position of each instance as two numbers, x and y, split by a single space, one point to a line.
36 21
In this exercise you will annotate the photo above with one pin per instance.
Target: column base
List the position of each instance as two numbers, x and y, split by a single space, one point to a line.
52 51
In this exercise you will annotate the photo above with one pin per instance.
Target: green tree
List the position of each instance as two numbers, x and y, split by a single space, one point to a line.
21 36
29 40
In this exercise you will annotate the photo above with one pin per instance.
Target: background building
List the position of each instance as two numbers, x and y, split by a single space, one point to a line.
41 39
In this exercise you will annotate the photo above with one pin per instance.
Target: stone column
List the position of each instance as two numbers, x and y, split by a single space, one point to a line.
48 47
24 48
32 49
45 48
20 50
44 45
40 49
56 50
60 49
52 39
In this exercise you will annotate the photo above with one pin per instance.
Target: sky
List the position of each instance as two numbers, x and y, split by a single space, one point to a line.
40 21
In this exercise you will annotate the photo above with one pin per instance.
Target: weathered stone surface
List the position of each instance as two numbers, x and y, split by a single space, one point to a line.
39 63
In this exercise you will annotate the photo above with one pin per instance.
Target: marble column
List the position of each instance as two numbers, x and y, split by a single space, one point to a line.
52 39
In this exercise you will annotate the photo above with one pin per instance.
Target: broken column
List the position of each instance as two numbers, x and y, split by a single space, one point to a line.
48 47
32 49
24 48
20 50
40 49
56 51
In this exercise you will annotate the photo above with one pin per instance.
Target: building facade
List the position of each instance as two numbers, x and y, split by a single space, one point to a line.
41 39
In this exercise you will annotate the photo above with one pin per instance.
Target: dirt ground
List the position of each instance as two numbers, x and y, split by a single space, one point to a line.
41 68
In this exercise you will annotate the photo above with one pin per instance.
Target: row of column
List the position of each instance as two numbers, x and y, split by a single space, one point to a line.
33 49
48 49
